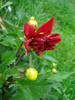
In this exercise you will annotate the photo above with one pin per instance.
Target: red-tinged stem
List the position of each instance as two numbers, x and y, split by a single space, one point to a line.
30 61
17 53
19 58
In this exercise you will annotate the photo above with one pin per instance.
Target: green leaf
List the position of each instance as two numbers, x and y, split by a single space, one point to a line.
32 90
8 41
49 58
8 57
56 86
6 4
12 72
61 76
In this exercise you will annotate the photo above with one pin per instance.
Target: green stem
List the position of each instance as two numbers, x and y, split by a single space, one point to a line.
30 61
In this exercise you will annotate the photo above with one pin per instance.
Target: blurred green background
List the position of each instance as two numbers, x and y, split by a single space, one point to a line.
64 53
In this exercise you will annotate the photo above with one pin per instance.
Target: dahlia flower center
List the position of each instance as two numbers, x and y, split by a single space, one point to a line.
41 33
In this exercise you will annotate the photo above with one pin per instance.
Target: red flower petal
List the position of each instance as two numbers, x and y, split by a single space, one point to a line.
55 38
55 35
51 41
27 47
37 44
46 28
29 31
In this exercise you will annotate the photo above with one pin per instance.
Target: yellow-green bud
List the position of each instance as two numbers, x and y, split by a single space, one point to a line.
33 22
54 70
31 73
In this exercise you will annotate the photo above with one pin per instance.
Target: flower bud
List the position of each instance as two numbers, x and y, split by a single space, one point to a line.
54 70
54 64
31 73
33 22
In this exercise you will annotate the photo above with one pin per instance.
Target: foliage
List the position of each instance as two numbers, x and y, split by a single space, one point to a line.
48 86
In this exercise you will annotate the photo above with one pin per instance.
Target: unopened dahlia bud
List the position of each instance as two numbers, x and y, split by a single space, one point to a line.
33 22
32 18
54 70
54 64
31 73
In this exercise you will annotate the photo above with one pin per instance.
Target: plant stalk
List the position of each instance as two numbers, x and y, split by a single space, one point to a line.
19 58
30 61
17 53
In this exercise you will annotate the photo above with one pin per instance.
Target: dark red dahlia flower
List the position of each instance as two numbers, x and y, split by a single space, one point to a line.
42 39
35 44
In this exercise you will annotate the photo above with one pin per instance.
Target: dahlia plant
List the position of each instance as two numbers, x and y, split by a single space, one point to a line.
38 40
